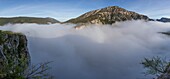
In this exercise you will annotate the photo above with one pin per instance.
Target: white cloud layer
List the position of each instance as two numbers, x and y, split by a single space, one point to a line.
98 51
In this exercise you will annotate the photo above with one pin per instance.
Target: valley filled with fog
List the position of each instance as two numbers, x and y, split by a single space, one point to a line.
96 51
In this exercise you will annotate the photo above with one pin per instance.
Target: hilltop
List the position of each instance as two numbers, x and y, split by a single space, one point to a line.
14 20
108 15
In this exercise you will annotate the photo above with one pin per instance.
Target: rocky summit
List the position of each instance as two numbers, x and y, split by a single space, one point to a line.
108 15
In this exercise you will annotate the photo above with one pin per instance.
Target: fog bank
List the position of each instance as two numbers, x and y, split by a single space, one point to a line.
98 51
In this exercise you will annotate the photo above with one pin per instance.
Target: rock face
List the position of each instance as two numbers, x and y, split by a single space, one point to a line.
15 20
108 15
163 19
13 49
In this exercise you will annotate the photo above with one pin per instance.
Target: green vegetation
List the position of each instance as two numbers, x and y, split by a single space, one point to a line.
157 66
16 71
11 70
15 20
9 33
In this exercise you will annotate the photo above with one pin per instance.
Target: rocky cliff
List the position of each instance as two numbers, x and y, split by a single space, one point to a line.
108 15
13 51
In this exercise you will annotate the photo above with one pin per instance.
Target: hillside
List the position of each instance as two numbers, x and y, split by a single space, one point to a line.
108 15
15 20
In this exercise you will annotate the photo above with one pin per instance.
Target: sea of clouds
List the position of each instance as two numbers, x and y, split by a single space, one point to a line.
97 51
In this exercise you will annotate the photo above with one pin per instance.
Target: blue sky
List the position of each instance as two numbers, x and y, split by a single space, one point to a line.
65 9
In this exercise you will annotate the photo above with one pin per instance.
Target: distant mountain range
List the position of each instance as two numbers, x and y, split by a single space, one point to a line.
163 19
37 20
108 15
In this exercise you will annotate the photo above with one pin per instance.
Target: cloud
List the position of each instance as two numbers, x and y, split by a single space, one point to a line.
98 51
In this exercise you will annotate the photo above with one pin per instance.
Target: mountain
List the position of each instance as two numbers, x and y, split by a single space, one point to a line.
163 19
37 20
108 15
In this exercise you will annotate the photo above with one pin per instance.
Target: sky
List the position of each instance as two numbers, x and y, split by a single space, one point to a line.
63 10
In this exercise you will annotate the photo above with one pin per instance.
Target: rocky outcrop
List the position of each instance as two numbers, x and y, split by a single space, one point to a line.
13 50
108 15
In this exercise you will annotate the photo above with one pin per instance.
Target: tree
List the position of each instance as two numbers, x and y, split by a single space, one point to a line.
156 66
